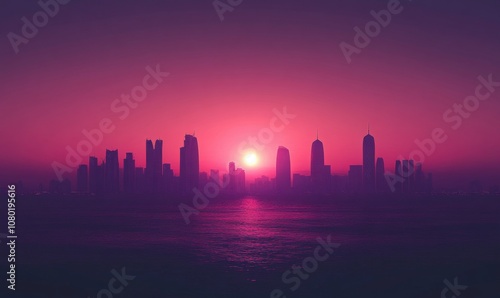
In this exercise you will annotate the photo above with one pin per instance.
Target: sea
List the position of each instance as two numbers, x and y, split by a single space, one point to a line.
255 246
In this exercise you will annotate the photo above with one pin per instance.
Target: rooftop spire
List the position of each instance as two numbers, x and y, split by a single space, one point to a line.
317 134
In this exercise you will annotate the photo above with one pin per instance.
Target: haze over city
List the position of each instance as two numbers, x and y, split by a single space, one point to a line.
225 79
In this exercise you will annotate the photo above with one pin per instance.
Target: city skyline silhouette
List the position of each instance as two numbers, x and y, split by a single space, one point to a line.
158 176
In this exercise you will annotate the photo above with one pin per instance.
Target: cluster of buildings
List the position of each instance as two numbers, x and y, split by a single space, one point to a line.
368 178
108 178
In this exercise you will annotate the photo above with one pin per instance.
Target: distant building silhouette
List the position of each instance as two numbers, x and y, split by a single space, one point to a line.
214 177
93 176
203 179
355 178
318 172
63 187
405 173
140 180
283 171
411 176
129 173
168 179
82 179
301 183
398 185
154 162
112 172
262 185
189 164
381 183
369 163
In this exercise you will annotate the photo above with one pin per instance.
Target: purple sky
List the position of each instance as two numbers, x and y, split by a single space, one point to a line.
226 77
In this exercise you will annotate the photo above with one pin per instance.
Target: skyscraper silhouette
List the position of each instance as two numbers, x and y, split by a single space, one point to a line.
190 165
82 179
419 178
398 185
380 178
283 170
154 162
168 179
369 163
405 173
318 177
112 172
93 174
140 180
129 173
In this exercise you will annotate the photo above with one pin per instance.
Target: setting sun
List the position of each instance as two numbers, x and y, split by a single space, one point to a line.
250 159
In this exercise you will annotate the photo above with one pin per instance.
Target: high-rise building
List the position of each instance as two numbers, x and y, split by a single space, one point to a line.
411 176
381 184
317 166
236 180
82 179
154 162
405 173
112 172
369 163
190 165
283 171
93 174
168 179
140 180
215 177
419 178
398 184
129 173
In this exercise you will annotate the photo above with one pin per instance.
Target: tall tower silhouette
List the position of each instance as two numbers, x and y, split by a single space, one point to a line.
190 164
112 169
317 165
369 163
380 176
129 173
398 170
283 171
93 174
154 163
82 179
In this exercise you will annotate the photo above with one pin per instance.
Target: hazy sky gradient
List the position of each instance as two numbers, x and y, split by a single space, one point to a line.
227 77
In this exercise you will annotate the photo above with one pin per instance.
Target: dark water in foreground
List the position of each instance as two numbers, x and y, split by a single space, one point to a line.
241 248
